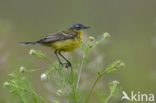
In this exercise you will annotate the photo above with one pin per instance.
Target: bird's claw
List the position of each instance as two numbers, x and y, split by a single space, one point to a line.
68 65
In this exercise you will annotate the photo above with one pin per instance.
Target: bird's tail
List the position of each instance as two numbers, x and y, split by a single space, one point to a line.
31 43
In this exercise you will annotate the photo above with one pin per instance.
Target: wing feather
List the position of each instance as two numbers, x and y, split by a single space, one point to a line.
56 37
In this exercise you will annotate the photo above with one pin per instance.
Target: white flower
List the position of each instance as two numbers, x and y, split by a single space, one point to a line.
6 84
59 92
106 35
32 51
22 69
43 76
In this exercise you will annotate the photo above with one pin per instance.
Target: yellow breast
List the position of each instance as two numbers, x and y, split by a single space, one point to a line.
68 44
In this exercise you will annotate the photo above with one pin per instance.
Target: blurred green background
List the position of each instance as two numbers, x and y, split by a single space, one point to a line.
131 23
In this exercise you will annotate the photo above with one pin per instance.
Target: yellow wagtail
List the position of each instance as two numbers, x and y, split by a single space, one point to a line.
64 41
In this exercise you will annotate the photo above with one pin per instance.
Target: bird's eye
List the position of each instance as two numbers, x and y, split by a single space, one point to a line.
78 26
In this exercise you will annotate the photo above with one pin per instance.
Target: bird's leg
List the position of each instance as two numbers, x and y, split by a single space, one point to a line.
58 58
69 64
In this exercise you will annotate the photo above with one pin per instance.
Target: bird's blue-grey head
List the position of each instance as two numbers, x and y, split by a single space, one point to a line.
79 27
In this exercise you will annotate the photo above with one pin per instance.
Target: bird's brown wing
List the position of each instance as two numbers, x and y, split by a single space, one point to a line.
56 37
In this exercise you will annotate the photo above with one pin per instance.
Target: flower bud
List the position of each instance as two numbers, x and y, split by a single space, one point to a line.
32 52
122 65
22 69
11 76
97 42
106 35
91 45
6 84
59 92
91 38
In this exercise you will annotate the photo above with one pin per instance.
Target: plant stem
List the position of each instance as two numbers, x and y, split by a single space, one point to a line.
79 76
74 95
47 60
30 92
108 98
95 82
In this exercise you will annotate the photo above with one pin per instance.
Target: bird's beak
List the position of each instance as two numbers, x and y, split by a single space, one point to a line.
86 27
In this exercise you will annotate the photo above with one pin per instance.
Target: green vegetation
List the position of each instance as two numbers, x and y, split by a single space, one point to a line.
68 79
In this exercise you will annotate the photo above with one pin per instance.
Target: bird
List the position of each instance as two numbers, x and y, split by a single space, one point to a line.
64 41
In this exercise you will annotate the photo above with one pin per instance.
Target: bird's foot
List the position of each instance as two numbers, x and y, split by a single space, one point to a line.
68 65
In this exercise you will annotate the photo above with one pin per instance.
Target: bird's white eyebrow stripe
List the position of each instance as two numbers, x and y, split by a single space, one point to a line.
77 25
